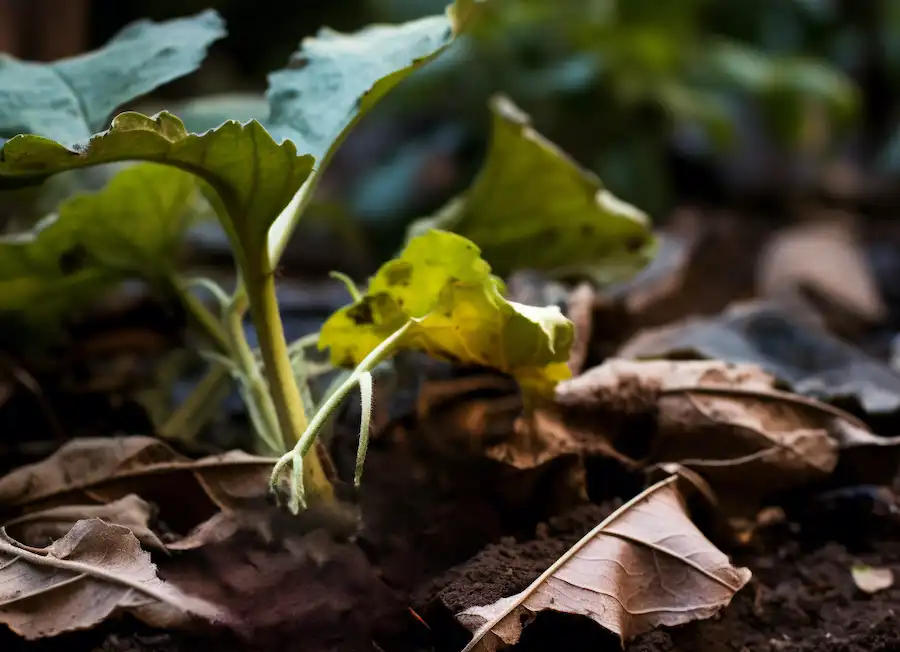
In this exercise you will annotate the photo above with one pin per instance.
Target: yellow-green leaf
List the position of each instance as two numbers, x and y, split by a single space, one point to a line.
458 313
132 227
534 207
253 176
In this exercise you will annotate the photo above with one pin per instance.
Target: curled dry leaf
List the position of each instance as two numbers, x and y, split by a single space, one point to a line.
42 527
716 419
95 570
791 346
94 471
646 565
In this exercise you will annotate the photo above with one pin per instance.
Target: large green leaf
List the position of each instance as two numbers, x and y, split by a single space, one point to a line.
71 99
534 207
458 313
252 176
133 227
334 79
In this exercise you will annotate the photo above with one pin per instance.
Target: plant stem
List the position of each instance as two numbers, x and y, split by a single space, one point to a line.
283 388
201 316
254 387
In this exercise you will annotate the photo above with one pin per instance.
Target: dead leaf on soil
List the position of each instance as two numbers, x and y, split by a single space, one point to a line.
793 348
95 570
41 528
872 580
726 422
95 471
823 262
645 566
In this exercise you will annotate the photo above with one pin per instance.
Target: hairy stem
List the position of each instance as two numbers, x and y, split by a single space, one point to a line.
283 388
306 442
255 389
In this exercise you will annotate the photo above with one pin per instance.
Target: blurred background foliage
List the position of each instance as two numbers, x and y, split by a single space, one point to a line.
702 101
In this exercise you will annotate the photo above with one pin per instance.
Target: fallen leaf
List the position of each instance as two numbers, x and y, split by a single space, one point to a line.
40 528
533 207
872 580
809 359
94 571
103 470
442 287
825 258
726 422
647 565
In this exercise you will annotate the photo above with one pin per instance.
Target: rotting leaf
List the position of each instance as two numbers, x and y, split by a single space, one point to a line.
41 528
252 177
132 227
335 79
532 207
810 360
71 99
647 565
102 470
726 422
94 571
872 580
458 313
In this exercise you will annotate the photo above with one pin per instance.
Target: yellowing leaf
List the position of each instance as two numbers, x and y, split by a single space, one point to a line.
458 313
534 207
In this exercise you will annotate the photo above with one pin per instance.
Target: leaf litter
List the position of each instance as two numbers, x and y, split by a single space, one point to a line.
95 570
196 498
646 565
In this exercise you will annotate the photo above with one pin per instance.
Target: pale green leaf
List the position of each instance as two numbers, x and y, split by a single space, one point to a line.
534 207
71 99
335 79
459 314
133 227
252 176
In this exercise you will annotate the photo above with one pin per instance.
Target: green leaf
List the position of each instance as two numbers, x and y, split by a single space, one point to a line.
252 176
133 227
534 207
335 79
71 99
459 314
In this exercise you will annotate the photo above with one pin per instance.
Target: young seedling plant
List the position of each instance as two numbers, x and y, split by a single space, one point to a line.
259 177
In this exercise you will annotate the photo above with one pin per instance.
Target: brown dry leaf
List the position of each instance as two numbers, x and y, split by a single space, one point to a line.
792 346
647 565
823 261
92 572
872 580
41 528
726 422
102 470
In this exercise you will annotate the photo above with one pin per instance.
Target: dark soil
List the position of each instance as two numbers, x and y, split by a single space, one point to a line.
443 532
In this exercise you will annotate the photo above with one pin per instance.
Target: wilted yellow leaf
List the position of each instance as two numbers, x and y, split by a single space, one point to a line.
441 284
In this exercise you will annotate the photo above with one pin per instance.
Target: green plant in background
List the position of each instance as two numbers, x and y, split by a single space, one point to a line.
614 80
258 178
